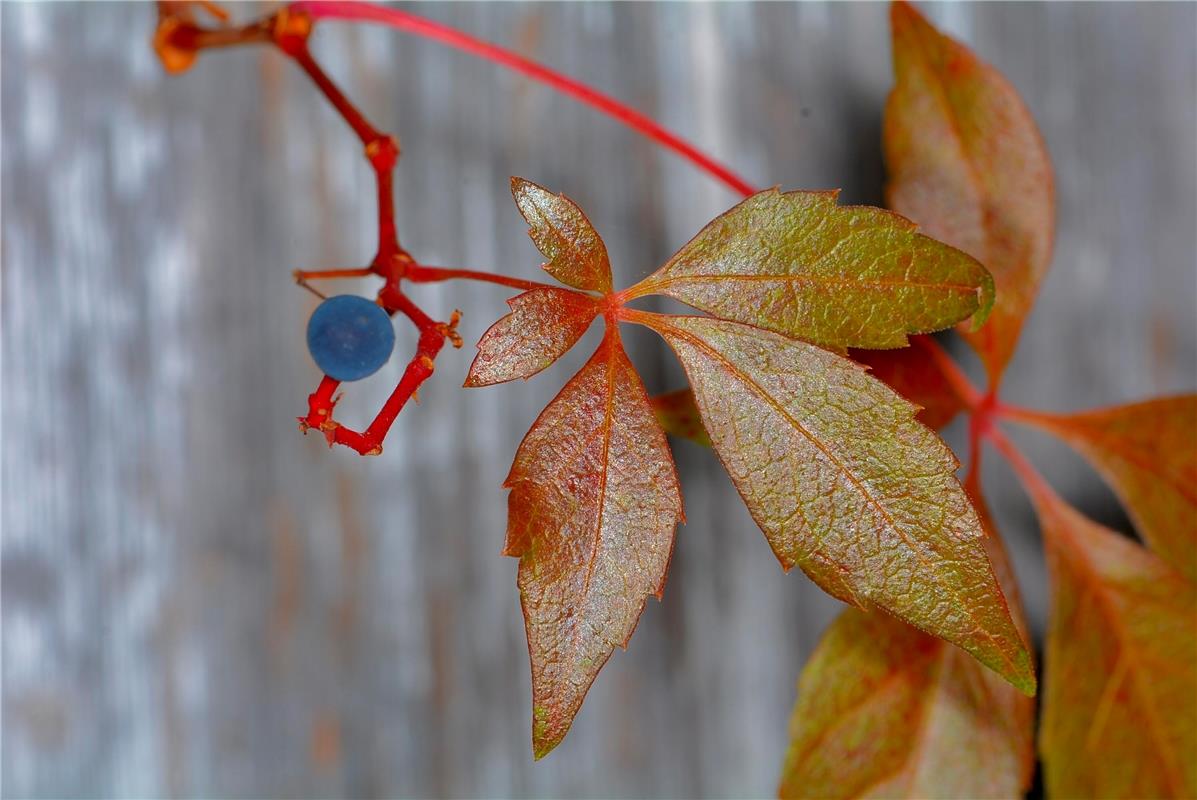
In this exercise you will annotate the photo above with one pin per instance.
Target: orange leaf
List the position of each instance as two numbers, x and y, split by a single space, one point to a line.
593 506
913 374
967 163
1120 696
1147 452
918 717
542 326
576 253
847 484
841 276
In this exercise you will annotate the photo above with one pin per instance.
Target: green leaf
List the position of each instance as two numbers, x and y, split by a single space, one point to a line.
840 276
576 253
847 484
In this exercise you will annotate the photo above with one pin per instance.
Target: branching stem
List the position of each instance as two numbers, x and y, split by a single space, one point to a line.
289 29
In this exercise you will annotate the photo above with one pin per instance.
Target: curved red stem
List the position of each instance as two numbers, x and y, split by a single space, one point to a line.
435 31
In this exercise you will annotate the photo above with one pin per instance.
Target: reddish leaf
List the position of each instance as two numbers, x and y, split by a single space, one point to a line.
841 276
847 484
917 718
1148 453
967 163
576 253
913 374
1120 697
593 506
542 326
678 415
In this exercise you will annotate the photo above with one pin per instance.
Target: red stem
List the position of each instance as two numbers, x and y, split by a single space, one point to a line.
969 394
401 20
1032 481
303 57
420 274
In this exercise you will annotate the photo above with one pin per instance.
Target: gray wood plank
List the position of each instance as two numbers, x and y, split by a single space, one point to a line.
198 601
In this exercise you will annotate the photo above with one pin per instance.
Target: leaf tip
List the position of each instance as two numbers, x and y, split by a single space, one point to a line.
545 735
902 15
1020 672
986 294
518 185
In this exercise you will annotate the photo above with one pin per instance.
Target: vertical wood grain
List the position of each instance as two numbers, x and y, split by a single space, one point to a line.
199 601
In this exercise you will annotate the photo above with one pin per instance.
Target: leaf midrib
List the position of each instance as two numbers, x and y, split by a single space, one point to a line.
668 281
760 392
602 494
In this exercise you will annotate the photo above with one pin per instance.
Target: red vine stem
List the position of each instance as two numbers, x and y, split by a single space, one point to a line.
1037 487
410 23
289 30
417 273
961 385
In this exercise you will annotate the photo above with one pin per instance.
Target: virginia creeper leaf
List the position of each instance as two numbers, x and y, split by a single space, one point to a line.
576 254
593 506
885 710
847 484
678 415
1147 452
543 325
841 276
910 372
1120 697
967 163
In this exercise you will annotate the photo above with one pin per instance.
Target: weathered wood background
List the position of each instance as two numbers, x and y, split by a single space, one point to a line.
198 601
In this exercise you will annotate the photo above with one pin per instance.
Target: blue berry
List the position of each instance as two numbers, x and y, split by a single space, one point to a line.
349 337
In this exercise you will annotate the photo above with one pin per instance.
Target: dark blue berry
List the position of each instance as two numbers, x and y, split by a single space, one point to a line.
350 337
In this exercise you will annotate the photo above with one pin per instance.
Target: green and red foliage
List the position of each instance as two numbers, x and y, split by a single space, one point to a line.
1119 701
924 687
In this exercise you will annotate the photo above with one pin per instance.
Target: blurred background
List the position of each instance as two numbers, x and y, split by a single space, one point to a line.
200 601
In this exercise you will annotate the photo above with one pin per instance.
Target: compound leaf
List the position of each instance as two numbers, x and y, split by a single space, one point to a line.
841 276
847 484
1147 452
1119 717
543 325
576 254
917 718
967 163
591 516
